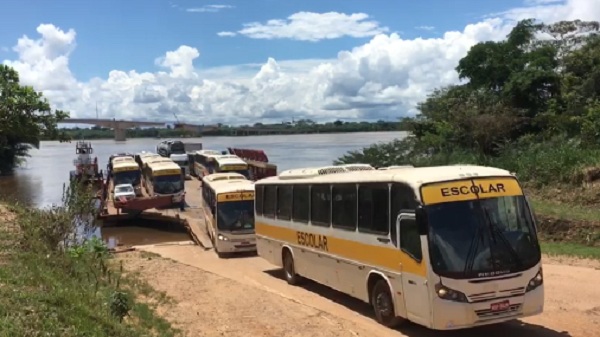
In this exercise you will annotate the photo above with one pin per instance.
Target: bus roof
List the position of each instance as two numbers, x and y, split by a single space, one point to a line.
164 165
413 176
223 176
229 159
125 164
234 185
208 153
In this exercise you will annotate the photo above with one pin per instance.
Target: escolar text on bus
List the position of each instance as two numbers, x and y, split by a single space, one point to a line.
312 240
473 189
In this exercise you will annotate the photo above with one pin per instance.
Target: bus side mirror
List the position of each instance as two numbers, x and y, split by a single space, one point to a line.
421 219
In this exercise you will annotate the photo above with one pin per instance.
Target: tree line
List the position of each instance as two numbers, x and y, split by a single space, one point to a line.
530 104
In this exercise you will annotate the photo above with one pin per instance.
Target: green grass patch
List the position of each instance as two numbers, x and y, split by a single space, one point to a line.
565 211
48 288
571 249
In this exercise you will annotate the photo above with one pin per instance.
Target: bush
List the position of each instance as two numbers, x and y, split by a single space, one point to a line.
57 281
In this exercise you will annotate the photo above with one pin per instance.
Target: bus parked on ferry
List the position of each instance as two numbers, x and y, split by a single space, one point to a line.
124 170
446 247
228 201
164 177
210 161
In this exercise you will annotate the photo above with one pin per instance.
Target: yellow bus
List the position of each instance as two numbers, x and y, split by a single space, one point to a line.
228 201
446 247
164 178
210 161
126 171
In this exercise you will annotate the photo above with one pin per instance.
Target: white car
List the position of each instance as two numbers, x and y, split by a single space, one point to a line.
125 191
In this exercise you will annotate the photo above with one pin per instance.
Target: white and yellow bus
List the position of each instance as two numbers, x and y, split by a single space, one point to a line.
446 247
126 171
165 178
210 161
228 200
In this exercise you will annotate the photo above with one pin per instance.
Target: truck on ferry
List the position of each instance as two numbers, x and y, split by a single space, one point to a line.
446 247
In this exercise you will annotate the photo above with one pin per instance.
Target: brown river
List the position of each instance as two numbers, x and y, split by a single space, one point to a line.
39 182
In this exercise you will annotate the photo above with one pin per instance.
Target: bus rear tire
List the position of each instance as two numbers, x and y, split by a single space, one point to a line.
383 305
289 271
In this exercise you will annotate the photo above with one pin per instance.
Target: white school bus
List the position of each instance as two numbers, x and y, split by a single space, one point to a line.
228 202
446 247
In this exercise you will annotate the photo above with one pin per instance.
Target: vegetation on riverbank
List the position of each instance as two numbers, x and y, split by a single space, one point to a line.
53 283
300 127
532 106
25 118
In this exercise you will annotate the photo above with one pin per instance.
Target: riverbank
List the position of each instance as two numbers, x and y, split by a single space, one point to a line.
75 292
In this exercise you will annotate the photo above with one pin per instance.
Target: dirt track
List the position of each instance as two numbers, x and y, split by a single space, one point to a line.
246 297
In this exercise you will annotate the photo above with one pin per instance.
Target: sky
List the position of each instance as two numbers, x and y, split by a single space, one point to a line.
247 61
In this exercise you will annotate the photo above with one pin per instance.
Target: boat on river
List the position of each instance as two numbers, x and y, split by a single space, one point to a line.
86 167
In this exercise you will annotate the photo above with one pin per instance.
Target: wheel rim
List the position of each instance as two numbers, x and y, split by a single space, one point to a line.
383 305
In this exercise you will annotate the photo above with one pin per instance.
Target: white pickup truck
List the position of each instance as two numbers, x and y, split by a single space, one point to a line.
184 162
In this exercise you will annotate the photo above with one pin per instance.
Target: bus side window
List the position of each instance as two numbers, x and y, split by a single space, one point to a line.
403 198
300 204
373 208
320 205
270 201
284 202
410 241
343 206
258 199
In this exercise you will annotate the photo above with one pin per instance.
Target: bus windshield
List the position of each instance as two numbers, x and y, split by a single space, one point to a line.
235 215
128 177
482 238
168 184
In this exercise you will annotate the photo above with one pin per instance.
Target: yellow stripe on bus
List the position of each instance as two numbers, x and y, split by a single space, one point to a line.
470 189
166 172
235 196
384 257
124 169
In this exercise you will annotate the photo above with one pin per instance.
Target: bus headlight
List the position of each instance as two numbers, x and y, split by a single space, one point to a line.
446 293
222 238
536 281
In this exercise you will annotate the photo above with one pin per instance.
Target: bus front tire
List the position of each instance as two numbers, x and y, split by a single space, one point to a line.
288 268
383 305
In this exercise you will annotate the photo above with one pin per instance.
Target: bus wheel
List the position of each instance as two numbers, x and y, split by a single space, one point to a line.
288 268
383 305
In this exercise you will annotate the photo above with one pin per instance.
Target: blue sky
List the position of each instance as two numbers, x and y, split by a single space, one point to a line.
130 34
247 61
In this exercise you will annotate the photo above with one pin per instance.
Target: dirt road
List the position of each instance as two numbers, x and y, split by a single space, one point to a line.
247 297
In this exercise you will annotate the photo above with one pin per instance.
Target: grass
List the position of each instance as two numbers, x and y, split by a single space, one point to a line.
565 210
571 249
46 290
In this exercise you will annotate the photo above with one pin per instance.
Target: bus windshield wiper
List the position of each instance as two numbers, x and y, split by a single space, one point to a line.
497 233
474 246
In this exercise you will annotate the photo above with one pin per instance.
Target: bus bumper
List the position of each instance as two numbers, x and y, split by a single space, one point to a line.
449 315
235 245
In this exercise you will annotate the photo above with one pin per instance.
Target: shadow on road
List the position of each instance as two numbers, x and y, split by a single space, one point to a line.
515 328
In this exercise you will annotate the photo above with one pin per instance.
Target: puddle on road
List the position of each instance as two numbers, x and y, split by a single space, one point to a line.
142 232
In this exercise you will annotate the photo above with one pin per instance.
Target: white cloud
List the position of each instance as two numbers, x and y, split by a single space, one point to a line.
383 78
425 27
228 34
209 8
309 26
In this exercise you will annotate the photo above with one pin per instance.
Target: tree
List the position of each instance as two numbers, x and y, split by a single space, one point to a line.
25 117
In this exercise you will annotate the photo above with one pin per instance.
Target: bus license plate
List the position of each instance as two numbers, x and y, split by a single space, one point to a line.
245 242
500 306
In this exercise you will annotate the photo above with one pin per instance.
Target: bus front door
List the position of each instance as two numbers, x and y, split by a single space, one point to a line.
414 277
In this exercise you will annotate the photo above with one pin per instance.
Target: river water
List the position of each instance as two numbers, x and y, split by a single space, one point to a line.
39 182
